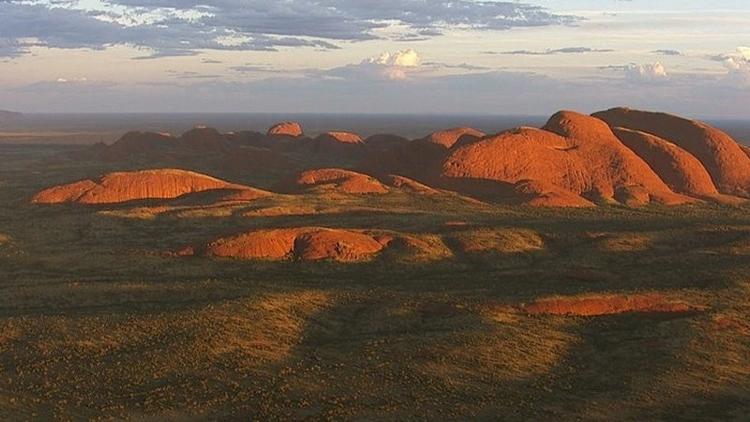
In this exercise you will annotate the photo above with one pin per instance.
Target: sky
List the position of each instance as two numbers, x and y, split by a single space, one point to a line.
376 56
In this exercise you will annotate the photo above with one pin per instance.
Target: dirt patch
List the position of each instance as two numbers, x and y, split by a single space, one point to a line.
608 305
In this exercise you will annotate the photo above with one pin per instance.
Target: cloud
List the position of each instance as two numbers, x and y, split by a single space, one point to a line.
737 65
634 72
646 72
182 27
251 68
566 50
667 52
397 66
460 66
498 92
180 74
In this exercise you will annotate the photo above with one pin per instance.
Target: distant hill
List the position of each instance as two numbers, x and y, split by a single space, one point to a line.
6 115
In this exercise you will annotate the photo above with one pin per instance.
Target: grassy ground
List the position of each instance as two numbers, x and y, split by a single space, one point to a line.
96 322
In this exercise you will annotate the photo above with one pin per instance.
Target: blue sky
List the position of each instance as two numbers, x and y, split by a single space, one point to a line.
375 56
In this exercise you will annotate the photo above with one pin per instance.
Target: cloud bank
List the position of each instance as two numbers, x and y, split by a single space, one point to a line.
182 27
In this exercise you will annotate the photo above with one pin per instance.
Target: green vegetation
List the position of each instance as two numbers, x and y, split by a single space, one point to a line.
97 320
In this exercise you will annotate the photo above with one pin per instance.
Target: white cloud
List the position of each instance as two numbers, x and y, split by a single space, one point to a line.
398 66
403 58
738 65
646 72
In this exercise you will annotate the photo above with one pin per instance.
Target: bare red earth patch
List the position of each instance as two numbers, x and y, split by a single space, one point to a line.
608 305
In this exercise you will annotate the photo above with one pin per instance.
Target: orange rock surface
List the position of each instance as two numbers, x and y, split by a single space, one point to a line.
449 137
722 156
409 185
337 180
292 129
338 143
679 169
573 152
540 194
308 244
128 186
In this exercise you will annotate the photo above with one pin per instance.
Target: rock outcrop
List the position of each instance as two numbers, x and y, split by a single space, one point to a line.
338 143
334 180
679 169
307 244
573 154
291 129
450 137
722 156
129 186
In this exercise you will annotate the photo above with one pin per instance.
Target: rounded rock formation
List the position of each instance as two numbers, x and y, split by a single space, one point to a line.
540 194
448 138
338 143
384 142
573 152
307 244
722 156
679 169
410 185
334 180
202 138
142 142
129 186
291 129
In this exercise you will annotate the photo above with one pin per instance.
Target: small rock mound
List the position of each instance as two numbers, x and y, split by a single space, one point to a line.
449 138
222 196
262 244
338 245
541 194
607 305
128 186
341 138
307 244
384 142
339 143
142 142
721 156
410 185
292 129
202 138
335 180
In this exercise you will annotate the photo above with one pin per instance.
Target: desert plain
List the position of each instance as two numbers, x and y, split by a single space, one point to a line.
597 268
